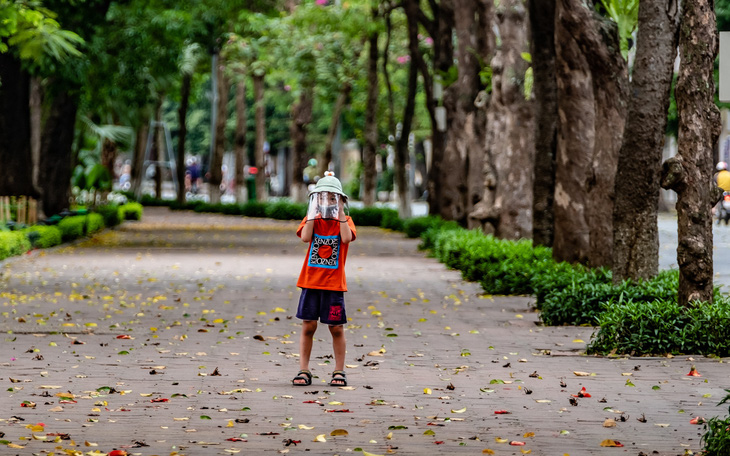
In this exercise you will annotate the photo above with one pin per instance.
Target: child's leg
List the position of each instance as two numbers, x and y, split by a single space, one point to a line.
306 338
339 345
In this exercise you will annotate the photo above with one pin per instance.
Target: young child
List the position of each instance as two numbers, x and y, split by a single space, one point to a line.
329 231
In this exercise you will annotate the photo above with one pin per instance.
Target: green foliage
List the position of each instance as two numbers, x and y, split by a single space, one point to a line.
130 211
72 227
415 227
13 243
626 15
391 220
43 237
94 223
286 210
716 439
34 31
111 214
660 327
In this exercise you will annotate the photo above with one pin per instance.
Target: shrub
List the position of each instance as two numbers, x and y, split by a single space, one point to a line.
72 227
94 223
591 291
286 210
43 237
131 211
415 227
391 220
716 439
149 200
111 213
254 209
660 327
367 216
13 243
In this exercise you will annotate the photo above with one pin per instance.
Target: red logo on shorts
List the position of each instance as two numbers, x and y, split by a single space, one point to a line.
335 313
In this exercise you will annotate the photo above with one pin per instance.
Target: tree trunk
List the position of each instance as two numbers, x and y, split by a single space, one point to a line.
182 115
240 139
56 146
510 146
260 114
301 117
36 125
635 232
324 164
216 163
542 23
598 41
401 143
157 152
689 173
576 132
140 144
15 132
367 193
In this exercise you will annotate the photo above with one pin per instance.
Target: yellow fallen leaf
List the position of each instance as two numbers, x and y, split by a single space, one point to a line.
230 423
389 436
13 445
90 444
578 341
462 410
375 353
610 422
365 453
181 419
427 391
581 374
610 443
500 440
39 437
352 366
305 427
529 434
543 401
320 438
487 451
662 424
337 432
146 394
35 427
335 403
279 310
526 451
519 316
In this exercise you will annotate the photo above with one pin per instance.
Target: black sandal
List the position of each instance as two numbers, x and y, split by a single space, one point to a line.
303 375
339 378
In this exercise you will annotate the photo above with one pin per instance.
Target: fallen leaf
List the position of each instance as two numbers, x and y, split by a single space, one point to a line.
337 432
610 422
697 420
516 443
320 438
427 391
461 410
582 393
611 443
693 373
582 374
500 440
305 427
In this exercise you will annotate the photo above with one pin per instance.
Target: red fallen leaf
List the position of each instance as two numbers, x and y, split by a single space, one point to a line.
582 393
693 373
312 402
339 411
435 424
502 412
117 453
27 404
697 420
237 439
516 443
161 399
124 336
439 442
67 401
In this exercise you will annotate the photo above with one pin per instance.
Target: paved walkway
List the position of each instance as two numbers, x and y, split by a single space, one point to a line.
207 302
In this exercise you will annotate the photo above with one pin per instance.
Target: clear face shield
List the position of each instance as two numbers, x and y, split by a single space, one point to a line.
326 205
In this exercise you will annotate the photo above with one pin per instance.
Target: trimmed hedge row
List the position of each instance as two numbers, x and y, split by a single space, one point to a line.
67 229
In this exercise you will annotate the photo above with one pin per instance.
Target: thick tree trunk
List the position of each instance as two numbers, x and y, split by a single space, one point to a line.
689 173
510 136
109 150
36 126
16 165
301 117
340 103
140 144
182 115
542 25
597 39
56 147
216 163
401 144
240 140
575 140
635 233
157 153
367 193
260 114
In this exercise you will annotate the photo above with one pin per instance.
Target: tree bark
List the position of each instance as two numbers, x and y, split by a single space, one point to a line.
370 148
109 150
36 125
401 140
182 115
240 139
542 26
216 163
260 114
635 232
157 152
576 132
15 132
598 41
301 118
342 97
140 144
56 147
689 173
510 136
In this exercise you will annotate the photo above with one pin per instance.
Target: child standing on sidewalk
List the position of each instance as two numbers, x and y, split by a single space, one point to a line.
329 231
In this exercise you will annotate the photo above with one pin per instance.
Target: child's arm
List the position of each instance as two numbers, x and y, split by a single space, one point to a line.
345 231
307 231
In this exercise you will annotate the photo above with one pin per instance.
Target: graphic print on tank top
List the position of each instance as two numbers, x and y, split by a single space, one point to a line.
325 252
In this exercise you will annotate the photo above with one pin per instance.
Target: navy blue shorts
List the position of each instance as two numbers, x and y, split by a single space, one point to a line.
326 306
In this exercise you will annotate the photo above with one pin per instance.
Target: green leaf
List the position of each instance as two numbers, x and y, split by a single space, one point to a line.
204 417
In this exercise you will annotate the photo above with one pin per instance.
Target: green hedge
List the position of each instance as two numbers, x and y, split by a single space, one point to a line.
112 214
43 237
13 243
130 211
